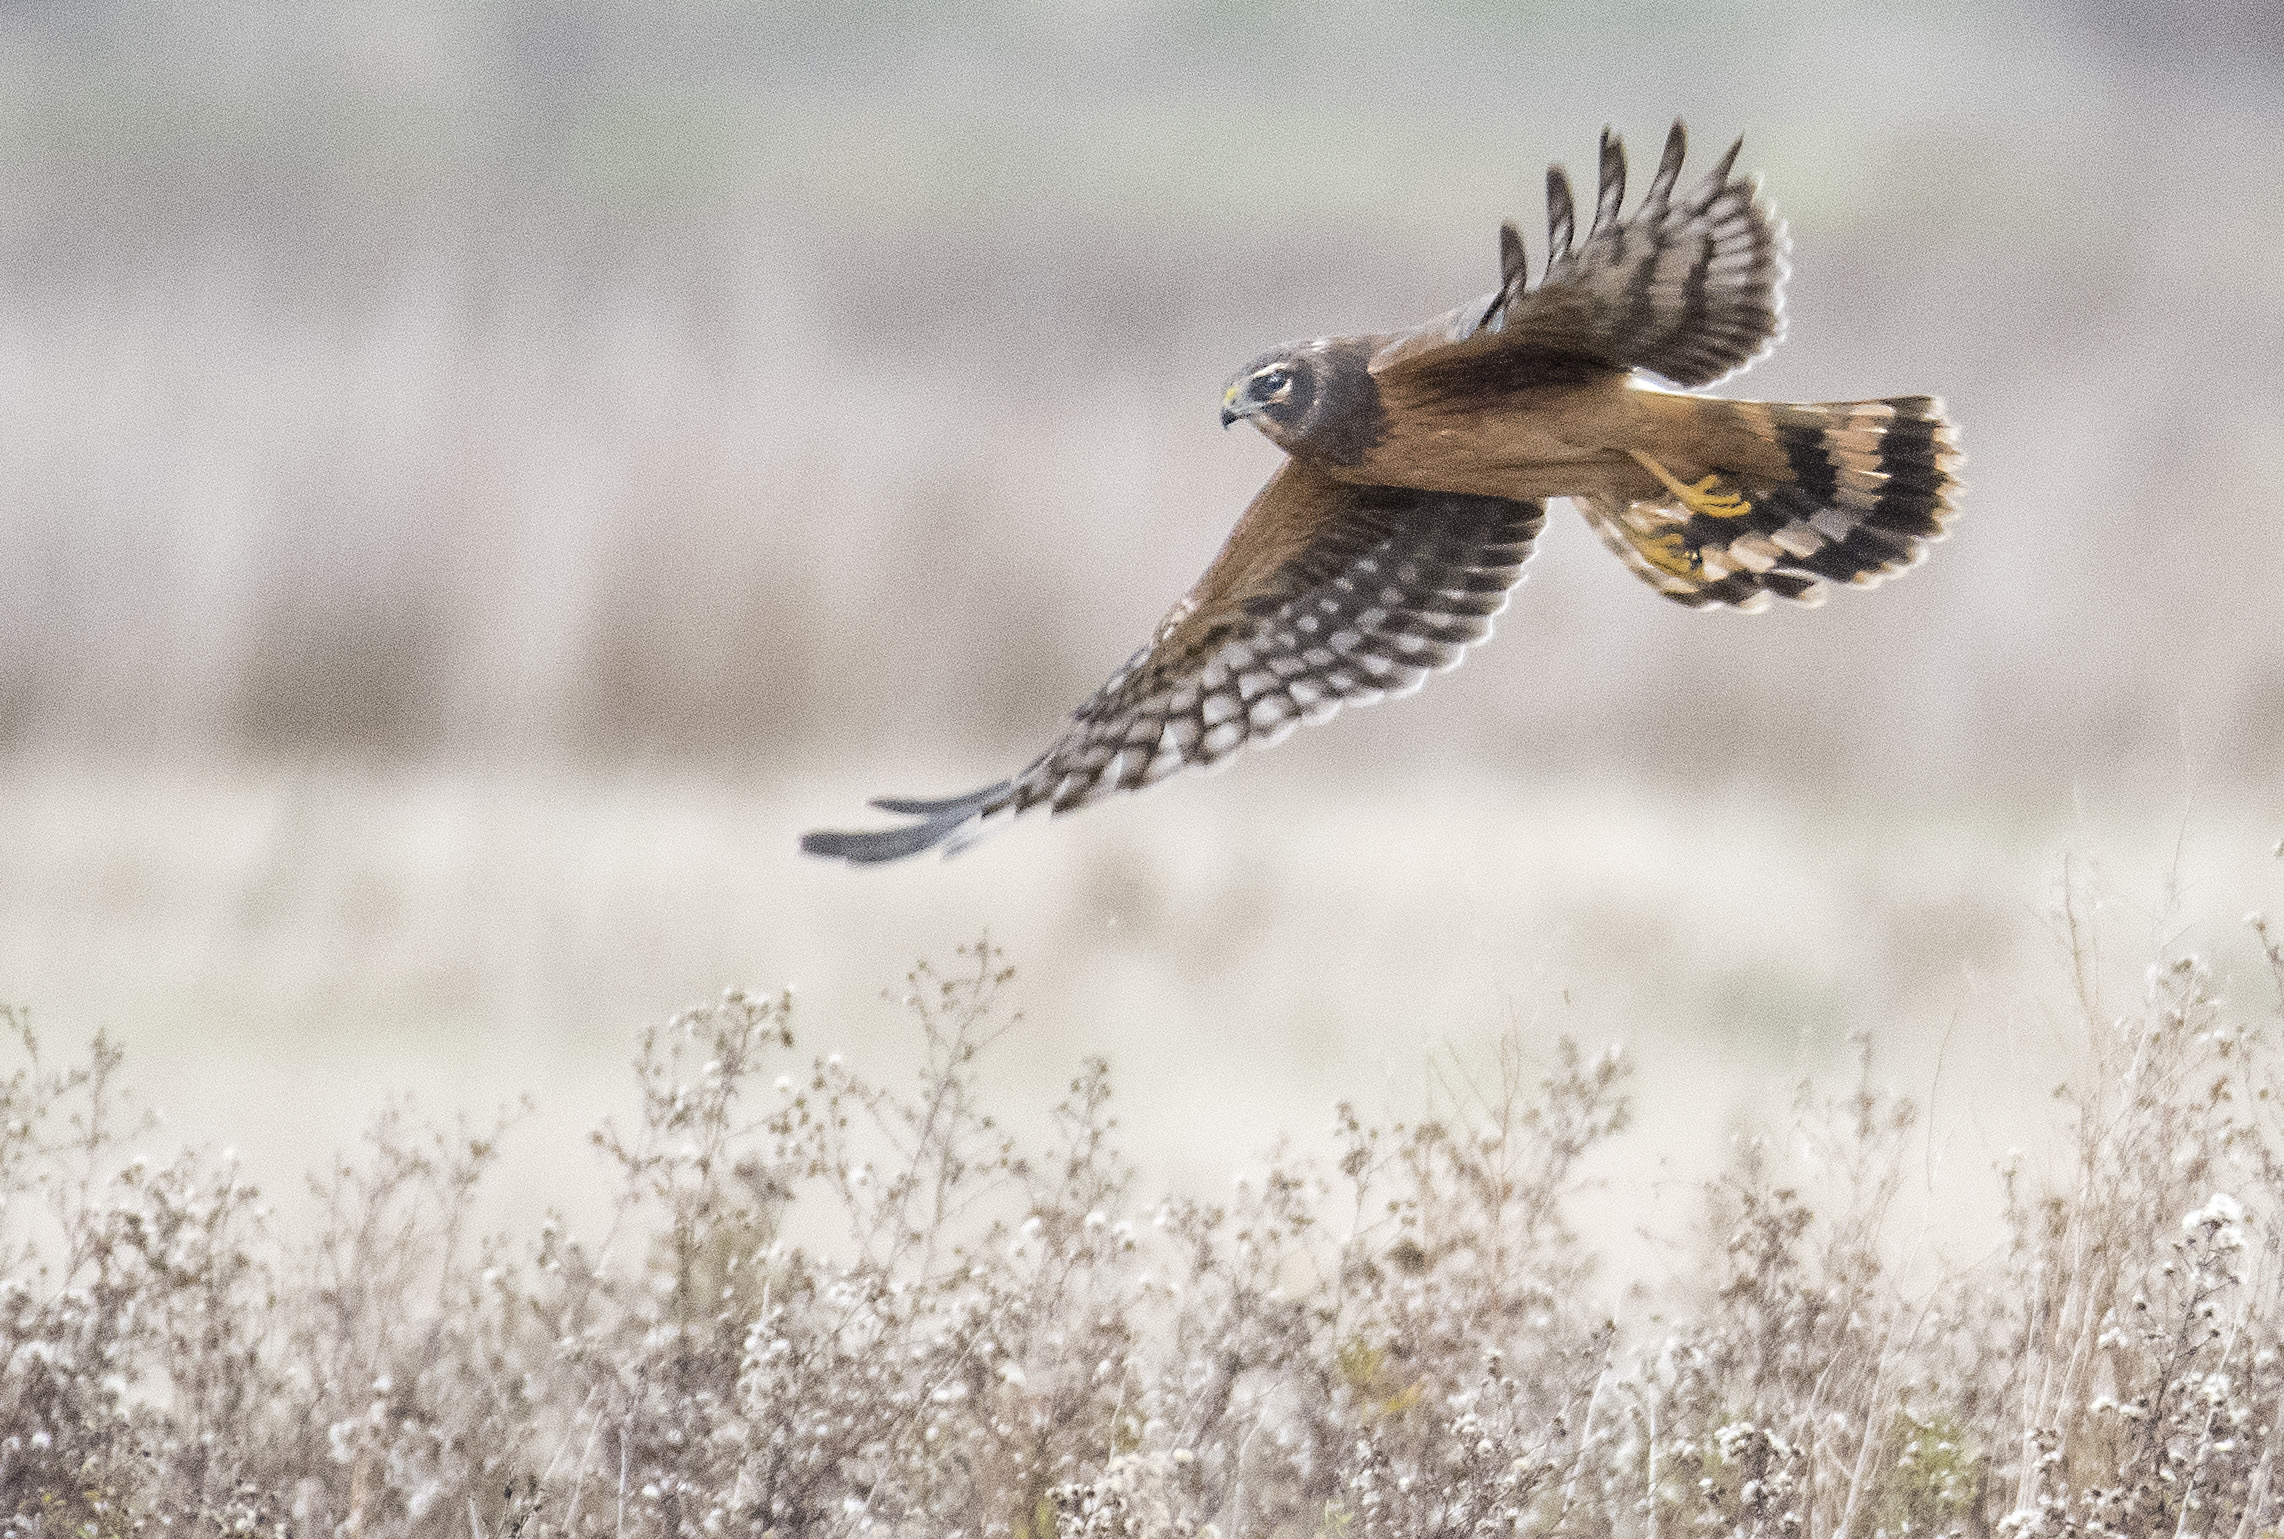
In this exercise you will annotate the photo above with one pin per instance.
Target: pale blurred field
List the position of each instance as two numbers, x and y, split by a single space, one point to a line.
476 480
284 954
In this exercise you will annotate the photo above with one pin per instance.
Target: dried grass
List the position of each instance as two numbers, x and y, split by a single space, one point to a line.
831 1304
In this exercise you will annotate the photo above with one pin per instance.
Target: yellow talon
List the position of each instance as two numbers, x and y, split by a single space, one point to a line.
1699 496
1671 553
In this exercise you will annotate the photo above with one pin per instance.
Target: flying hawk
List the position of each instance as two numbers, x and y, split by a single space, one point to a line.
1418 472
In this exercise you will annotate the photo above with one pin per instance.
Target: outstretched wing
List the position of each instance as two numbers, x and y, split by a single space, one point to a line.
1325 595
1689 288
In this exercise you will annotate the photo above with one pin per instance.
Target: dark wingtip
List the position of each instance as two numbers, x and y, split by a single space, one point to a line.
949 822
1610 183
868 849
875 846
1561 217
1668 167
919 806
1514 261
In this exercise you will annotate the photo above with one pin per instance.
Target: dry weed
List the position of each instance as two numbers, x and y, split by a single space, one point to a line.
974 1332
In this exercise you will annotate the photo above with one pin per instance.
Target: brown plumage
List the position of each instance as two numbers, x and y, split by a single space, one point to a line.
1418 472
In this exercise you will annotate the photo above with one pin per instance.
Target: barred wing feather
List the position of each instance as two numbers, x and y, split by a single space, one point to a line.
1325 595
1688 288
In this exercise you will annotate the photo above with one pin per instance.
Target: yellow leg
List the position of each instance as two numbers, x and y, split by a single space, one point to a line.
1698 497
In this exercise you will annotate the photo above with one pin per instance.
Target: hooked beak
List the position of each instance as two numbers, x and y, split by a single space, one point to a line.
1230 411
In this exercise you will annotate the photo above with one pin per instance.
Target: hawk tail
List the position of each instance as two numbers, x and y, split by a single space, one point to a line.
1797 496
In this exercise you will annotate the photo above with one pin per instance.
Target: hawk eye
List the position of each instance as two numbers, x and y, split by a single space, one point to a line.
1270 381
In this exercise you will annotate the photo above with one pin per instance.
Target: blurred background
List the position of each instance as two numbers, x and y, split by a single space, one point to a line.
477 479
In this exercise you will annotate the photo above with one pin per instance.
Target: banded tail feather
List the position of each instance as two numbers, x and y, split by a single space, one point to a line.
1849 492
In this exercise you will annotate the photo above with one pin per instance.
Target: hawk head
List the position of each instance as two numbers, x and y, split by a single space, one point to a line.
1276 390
1316 399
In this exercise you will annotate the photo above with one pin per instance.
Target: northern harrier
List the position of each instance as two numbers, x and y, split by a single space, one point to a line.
1418 471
